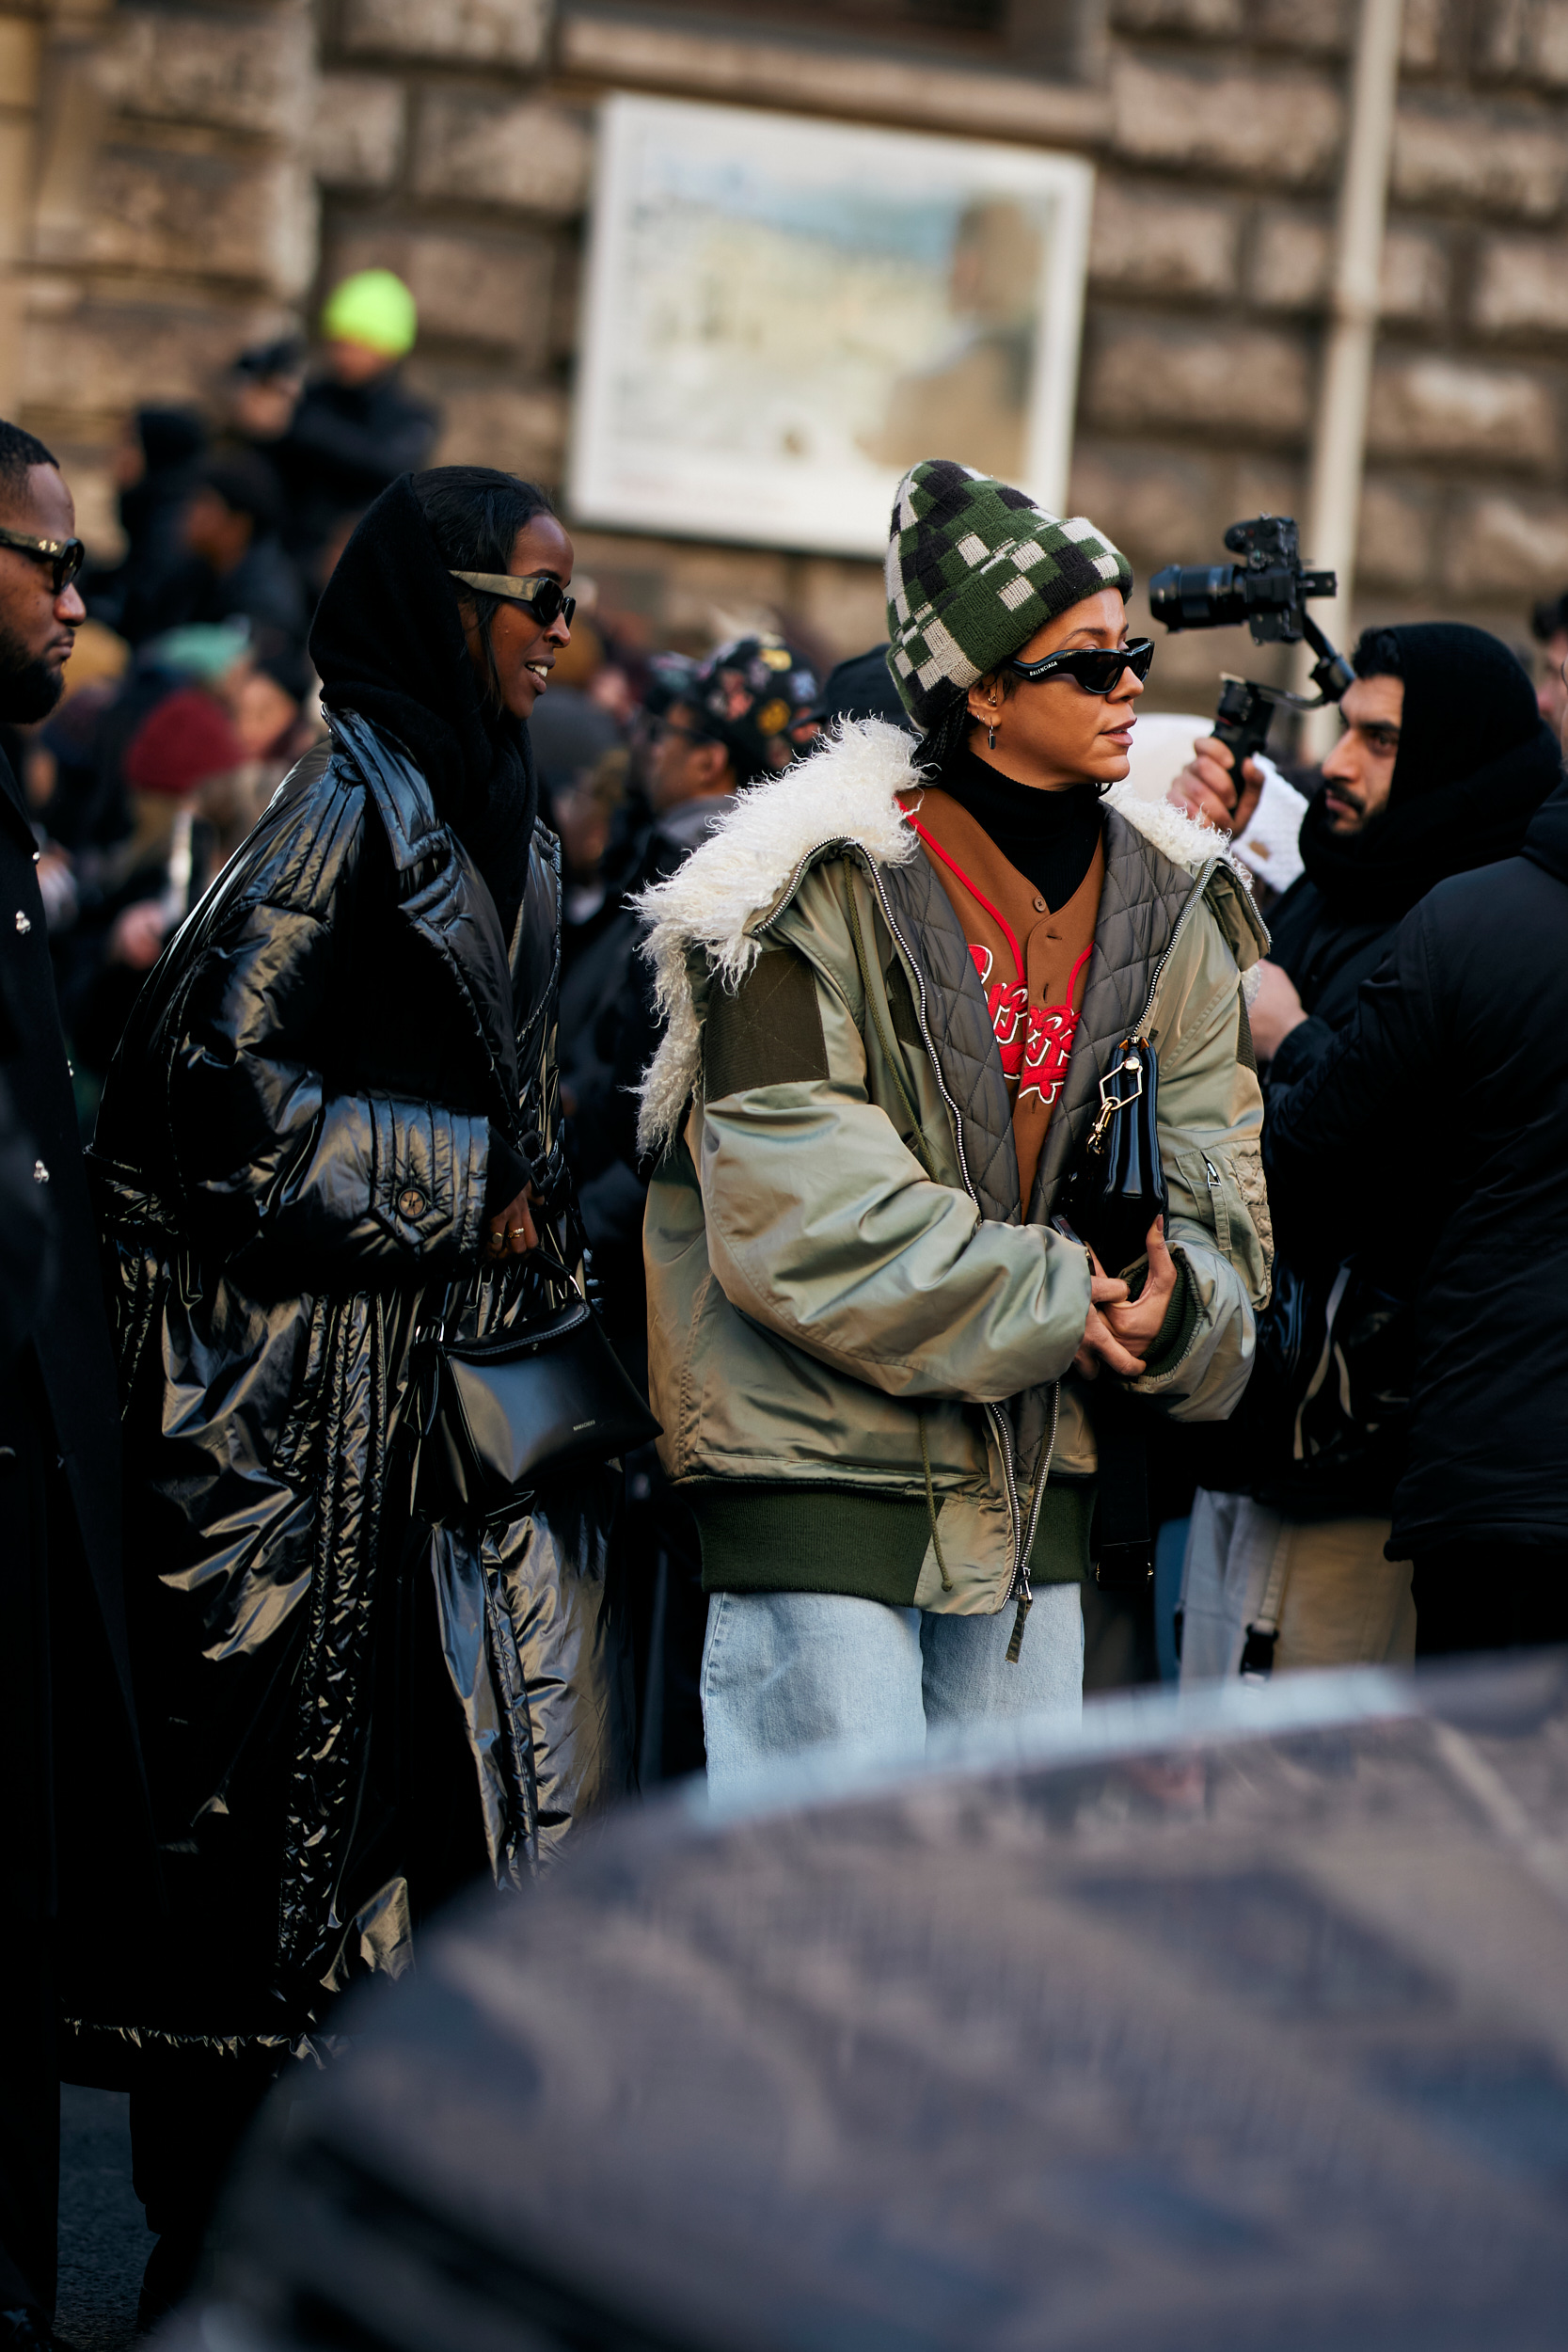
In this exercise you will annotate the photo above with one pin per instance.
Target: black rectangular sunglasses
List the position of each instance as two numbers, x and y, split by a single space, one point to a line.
66 557
536 592
1096 668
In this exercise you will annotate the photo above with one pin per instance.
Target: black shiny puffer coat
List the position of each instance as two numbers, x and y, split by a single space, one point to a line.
348 1711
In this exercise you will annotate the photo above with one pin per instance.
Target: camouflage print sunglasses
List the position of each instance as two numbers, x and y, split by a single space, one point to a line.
536 592
66 556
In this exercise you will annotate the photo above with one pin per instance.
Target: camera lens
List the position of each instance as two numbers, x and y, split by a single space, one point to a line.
1199 596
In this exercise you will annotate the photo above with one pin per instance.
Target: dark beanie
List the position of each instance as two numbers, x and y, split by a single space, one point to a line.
748 696
1466 702
861 687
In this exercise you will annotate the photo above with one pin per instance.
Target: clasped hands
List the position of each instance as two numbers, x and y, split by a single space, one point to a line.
1122 1329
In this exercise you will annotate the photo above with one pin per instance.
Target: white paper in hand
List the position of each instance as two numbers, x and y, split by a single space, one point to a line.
1269 846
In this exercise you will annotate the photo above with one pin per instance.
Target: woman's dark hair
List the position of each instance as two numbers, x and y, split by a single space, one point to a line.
475 513
1377 655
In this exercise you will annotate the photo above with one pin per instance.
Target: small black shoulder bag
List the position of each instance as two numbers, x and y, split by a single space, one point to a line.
1114 1195
528 1402
1118 1188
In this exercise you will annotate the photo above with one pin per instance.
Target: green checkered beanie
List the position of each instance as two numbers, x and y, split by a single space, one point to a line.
974 570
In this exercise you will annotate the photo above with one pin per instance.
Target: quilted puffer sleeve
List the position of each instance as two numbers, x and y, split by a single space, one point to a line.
269 1152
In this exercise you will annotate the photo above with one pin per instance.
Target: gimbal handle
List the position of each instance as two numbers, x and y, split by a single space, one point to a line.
1246 707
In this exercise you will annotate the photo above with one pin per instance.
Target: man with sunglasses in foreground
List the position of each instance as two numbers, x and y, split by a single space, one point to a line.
895 977
63 1667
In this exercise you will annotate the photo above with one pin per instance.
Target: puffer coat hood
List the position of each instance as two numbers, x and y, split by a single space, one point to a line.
349 1711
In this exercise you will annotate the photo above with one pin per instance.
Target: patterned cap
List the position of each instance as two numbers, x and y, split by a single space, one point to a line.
974 570
748 696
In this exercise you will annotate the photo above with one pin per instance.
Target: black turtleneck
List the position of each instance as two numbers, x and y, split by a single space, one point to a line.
1050 836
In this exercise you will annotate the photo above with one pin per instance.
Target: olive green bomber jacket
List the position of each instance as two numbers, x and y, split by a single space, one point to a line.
843 1289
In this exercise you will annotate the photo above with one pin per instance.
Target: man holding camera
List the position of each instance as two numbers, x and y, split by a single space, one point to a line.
1457 1060
1443 763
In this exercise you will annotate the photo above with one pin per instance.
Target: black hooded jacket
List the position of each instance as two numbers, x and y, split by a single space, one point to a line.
1447 1098
349 1709
1474 765
387 641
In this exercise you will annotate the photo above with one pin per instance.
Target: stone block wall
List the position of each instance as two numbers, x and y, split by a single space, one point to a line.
185 151
1202 366
173 215
469 181
1217 134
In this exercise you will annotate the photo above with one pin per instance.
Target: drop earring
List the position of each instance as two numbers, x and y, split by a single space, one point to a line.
990 737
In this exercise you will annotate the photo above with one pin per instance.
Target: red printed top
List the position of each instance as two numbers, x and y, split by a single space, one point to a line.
1032 959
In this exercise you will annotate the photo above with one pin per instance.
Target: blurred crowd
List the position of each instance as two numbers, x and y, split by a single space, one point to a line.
191 692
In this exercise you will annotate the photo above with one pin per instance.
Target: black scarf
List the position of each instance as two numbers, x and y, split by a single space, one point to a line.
1475 763
387 642
1049 836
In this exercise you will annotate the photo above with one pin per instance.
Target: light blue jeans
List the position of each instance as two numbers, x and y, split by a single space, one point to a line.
783 1672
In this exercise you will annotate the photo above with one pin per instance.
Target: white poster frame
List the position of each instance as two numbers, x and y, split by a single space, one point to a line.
614 484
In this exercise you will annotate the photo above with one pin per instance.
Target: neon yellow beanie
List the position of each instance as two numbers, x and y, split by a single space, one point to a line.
373 308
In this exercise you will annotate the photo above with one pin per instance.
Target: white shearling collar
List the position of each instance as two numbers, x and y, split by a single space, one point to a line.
843 794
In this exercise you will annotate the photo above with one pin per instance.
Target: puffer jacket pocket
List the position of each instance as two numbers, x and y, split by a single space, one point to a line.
1248 1166
1225 1184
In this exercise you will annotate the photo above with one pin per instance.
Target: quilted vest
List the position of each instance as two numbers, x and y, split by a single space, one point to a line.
1141 898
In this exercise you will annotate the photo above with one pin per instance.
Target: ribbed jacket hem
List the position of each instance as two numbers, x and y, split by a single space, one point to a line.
789 1538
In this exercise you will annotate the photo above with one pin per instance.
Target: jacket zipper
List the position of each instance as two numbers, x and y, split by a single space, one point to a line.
994 1414
1217 1204
1140 1027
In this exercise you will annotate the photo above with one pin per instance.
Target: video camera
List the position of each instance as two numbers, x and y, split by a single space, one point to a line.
1267 591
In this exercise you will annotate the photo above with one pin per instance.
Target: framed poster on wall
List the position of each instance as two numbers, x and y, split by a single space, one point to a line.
782 314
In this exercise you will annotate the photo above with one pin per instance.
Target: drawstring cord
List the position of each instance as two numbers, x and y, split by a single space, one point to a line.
931 1507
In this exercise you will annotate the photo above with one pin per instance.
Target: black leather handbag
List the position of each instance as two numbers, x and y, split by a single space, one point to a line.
1113 1196
1118 1188
533 1402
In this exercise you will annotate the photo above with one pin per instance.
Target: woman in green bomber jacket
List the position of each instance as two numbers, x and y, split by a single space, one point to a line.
893 979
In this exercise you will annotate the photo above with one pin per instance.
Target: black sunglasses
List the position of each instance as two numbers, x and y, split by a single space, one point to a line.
1094 668
536 592
66 556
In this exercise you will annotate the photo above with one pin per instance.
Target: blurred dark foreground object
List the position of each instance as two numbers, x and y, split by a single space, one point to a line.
1233 2022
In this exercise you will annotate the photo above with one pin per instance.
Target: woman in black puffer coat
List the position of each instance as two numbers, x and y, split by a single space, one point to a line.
332 1120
